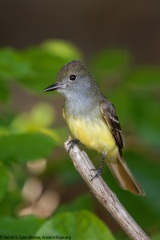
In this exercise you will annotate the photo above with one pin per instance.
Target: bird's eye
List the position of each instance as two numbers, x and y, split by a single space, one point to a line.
72 77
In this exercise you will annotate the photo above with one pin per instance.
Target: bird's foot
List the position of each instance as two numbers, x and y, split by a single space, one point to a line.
72 143
99 170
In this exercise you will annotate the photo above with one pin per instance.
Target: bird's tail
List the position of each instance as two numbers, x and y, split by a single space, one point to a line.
124 176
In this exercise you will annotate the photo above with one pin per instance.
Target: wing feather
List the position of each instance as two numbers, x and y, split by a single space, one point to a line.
109 114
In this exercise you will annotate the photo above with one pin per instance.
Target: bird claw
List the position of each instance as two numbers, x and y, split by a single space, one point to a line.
99 170
72 143
98 173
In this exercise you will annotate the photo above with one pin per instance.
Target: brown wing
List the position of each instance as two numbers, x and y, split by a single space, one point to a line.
109 114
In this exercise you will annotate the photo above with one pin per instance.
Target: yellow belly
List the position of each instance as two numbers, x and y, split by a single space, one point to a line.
94 134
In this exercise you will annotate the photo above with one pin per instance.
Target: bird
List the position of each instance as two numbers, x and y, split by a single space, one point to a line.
93 121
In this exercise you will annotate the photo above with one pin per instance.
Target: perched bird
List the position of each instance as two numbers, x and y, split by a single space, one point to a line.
92 120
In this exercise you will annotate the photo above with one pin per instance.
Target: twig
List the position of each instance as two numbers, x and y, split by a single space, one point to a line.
104 194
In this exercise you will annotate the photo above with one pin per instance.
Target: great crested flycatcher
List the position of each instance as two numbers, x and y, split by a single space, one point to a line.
92 120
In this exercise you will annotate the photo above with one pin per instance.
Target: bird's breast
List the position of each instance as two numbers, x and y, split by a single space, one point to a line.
92 132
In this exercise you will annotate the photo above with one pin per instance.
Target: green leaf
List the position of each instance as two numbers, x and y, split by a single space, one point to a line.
62 49
4 177
78 225
24 147
143 111
39 118
121 97
44 67
12 199
22 226
110 63
4 91
36 67
12 65
156 236
45 61
145 77
81 202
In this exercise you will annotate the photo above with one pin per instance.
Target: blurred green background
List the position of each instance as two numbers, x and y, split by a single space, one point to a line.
39 186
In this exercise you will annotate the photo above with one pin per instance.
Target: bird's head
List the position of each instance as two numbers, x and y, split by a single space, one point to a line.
73 78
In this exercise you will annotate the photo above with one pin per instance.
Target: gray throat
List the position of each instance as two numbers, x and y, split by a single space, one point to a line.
83 104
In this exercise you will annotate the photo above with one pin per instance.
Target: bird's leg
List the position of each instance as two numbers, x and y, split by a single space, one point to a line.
99 170
72 143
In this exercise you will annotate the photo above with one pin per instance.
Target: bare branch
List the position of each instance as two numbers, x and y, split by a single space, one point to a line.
104 194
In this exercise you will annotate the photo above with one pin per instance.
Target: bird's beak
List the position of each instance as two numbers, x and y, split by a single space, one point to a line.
54 87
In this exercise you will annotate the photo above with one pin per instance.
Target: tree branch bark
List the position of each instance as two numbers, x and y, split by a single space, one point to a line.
104 194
